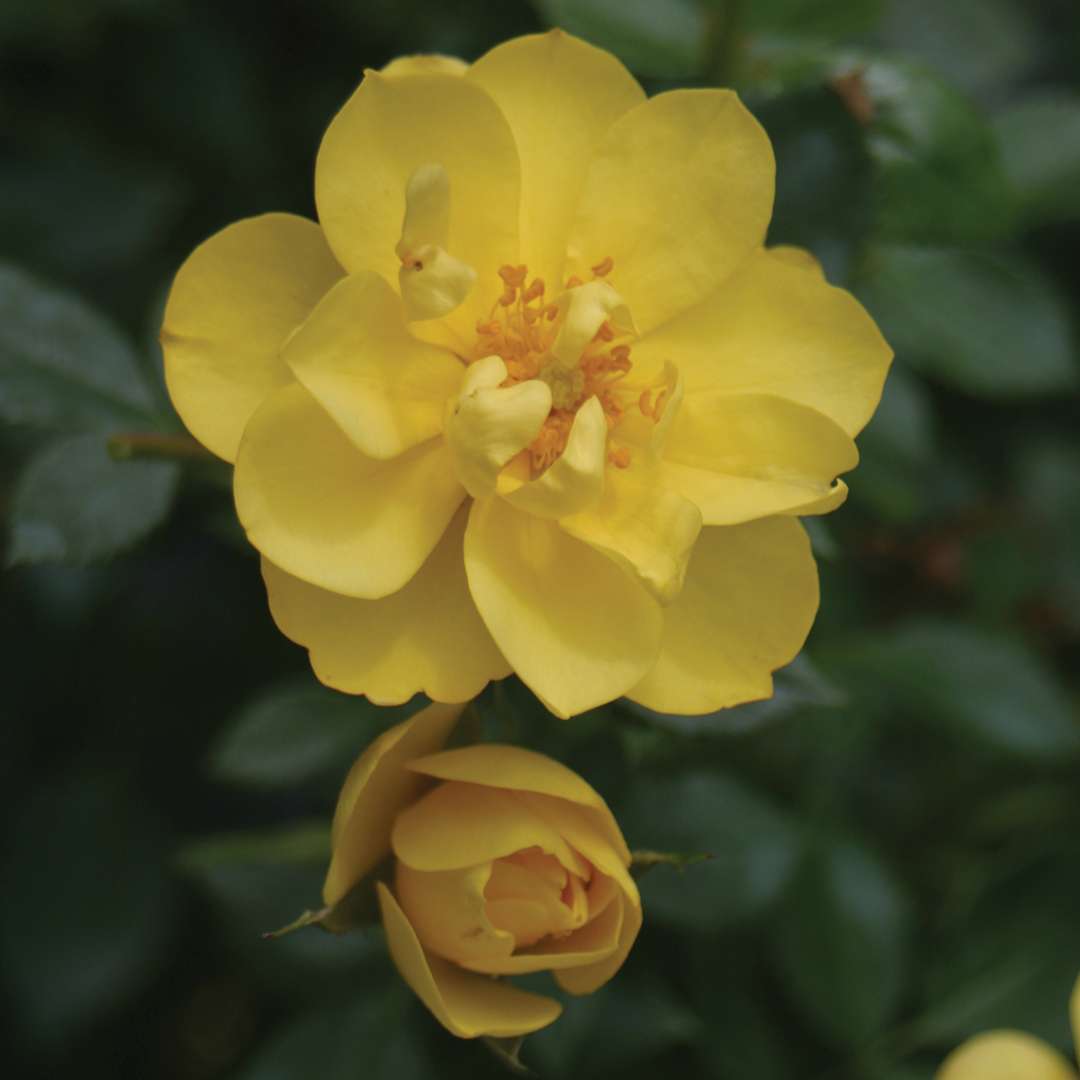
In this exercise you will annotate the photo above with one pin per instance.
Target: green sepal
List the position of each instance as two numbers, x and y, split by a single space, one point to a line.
641 862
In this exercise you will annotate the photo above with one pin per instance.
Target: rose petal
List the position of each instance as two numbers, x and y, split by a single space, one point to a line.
325 513
584 90
518 769
778 328
467 1005
234 302
386 390
388 129
749 600
376 788
679 192
577 629
426 638
1005 1055
456 825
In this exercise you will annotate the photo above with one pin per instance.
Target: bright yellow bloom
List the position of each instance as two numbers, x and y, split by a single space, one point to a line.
506 862
533 396
1012 1055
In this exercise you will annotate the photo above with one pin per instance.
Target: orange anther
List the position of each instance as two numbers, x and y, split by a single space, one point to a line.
604 267
620 458
605 333
514 276
530 315
621 354
535 290
508 297
573 282
645 402
551 312
658 408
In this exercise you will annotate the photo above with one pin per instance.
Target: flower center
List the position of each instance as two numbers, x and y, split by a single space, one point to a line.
575 344
533 897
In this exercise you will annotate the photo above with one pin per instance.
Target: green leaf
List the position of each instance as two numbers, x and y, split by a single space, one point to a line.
754 847
1040 144
940 178
61 364
1010 958
1046 472
636 1017
297 733
823 172
841 940
258 881
896 451
807 18
307 841
664 40
370 1038
748 1038
88 910
112 221
980 46
74 504
992 689
991 326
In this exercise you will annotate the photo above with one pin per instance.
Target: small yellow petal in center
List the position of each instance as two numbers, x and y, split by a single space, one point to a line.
433 283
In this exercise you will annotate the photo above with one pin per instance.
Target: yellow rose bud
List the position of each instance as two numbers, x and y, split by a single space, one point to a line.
1012 1055
506 862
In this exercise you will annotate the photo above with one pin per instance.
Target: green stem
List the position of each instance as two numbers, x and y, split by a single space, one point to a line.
152 446
725 43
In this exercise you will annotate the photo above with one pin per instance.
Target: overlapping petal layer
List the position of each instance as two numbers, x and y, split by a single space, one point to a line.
458 825
426 637
322 511
447 909
466 1004
389 128
584 90
518 769
679 193
376 789
745 456
750 597
776 327
590 977
574 625
644 527
384 389
233 303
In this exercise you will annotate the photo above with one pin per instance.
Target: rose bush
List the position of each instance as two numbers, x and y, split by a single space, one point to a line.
1012 1055
505 862
533 395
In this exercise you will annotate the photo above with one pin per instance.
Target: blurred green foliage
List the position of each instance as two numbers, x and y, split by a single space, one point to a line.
896 861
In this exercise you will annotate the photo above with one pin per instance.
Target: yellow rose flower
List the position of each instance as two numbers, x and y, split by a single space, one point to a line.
1012 1055
506 862
533 396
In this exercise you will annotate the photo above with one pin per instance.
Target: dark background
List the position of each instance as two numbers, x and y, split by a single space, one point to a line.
897 862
